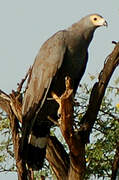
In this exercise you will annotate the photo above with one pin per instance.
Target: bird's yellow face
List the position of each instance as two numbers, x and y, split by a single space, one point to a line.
98 20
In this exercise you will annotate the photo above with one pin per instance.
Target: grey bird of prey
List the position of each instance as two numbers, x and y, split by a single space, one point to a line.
63 54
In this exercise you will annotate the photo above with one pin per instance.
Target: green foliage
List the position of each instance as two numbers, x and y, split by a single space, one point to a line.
105 135
4 124
7 162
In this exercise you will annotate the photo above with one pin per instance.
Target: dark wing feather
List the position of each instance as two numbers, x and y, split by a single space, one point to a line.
47 62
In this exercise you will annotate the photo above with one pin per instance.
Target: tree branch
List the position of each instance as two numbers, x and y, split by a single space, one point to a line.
5 102
23 80
66 111
12 106
74 141
115 165
58 158
97 93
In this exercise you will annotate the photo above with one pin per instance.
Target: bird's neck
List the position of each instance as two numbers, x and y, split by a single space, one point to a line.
88 35
79 34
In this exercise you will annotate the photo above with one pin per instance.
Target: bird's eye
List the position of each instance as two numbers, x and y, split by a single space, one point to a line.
95 19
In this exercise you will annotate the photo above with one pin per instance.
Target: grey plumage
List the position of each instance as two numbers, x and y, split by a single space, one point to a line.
64 54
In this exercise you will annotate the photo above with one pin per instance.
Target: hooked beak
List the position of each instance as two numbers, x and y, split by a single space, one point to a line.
105 24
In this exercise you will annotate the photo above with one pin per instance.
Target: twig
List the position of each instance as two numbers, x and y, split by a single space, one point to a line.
23 80
98 92
52 120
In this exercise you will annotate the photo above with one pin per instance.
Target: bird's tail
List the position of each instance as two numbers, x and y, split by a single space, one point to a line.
33 150
36 151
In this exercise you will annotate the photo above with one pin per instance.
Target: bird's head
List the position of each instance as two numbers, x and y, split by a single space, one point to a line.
96 20
85 28
89 22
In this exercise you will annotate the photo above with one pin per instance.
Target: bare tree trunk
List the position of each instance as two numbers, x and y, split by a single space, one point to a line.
23 172
20 164
58 158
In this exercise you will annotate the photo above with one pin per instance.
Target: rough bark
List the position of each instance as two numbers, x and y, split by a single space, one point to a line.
58 158
74 141
20 164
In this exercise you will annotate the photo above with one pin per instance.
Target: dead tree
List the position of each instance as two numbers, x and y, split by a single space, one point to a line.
66 166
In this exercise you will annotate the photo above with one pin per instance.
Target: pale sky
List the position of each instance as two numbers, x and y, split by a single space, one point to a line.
26 24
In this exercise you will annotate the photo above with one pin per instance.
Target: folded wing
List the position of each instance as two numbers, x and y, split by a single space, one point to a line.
47 62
